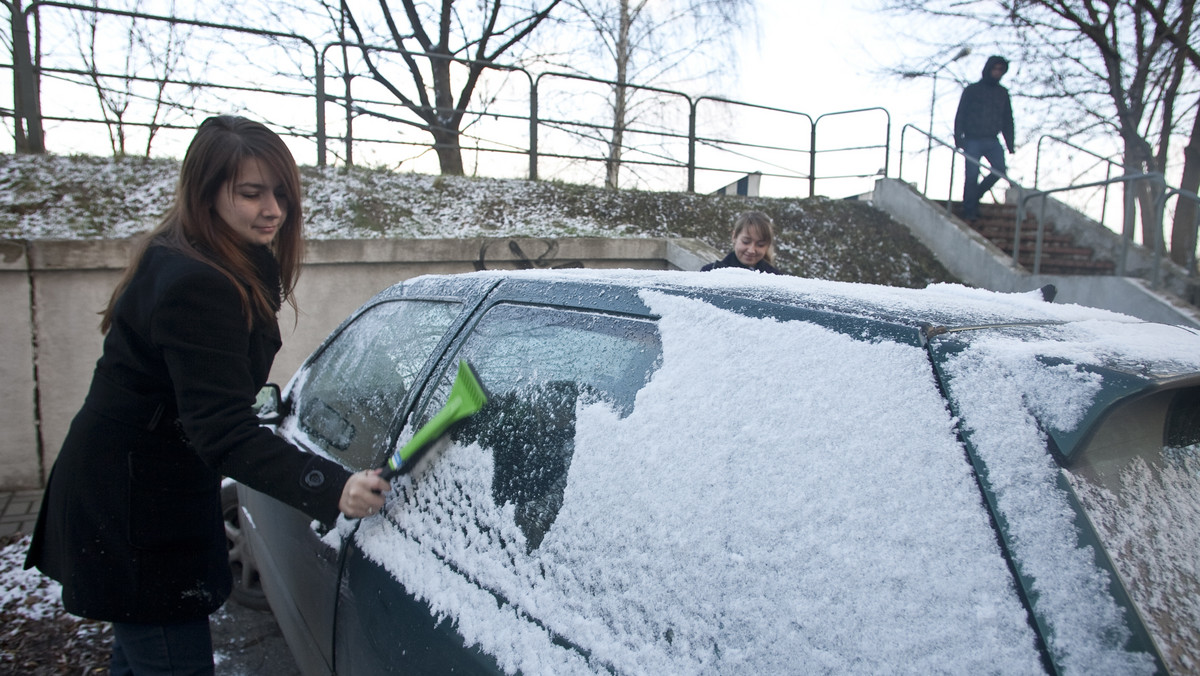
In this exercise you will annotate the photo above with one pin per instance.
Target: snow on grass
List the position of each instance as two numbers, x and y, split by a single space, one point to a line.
54 197
26 594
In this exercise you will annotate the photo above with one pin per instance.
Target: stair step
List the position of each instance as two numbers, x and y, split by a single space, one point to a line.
1005 235
1067 252
1070 267
1060 255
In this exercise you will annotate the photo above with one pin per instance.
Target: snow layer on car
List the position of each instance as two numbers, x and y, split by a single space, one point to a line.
1154 514
782 499
1002 386
949 304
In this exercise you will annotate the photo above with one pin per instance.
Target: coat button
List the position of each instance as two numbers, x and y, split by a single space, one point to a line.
314 479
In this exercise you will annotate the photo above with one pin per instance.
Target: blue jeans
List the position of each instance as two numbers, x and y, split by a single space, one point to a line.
973 189
183 649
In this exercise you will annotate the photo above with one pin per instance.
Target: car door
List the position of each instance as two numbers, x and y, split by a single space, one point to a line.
816 518
346 402
536 362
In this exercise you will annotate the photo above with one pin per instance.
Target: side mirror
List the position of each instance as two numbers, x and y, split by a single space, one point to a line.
268 405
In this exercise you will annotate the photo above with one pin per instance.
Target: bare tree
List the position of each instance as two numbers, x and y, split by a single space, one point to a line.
26 58
474 36
1178 29
1092 67
648 44
148 57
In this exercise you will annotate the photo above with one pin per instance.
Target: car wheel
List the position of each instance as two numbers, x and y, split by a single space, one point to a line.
247 587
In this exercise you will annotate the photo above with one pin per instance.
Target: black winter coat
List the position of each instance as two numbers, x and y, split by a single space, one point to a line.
131 520
985 110
731 261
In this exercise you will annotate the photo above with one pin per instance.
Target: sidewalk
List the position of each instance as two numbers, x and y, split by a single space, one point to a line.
19 510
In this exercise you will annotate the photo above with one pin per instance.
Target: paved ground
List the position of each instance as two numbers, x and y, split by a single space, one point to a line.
246 642
18 511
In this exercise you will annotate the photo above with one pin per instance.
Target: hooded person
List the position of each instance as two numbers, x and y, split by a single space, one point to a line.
984 112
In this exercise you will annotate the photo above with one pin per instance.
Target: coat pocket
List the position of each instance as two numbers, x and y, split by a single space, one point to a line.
174 499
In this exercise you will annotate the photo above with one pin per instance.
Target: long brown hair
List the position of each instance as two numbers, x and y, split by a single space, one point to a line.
192 227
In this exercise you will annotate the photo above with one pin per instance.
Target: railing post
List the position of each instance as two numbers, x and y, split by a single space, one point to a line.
1127 227
950 187
812 159
691 165
533 129
322 140
1016 254
27 118
1041 230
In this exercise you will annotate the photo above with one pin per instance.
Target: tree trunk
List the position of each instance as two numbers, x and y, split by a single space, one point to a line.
1183 229
449 151
616 142
444 121
28 114
1138 160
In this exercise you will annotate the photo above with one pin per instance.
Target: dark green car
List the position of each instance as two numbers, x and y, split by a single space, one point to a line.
733 473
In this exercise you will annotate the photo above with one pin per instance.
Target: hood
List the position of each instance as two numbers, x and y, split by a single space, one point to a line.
987 67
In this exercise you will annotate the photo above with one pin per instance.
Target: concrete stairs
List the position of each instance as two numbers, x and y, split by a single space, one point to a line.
1080 265
1061 255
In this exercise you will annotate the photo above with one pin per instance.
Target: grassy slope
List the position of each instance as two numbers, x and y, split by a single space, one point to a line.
88 197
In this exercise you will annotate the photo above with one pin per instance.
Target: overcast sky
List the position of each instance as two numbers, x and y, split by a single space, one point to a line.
825 57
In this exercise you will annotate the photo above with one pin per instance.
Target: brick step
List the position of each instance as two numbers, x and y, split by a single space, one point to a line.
1060 255
1067 252
1004 234
1052 266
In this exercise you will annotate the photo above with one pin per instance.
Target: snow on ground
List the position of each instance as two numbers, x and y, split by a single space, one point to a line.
54 197
27 594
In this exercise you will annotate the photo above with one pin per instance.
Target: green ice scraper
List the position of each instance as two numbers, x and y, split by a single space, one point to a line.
467 396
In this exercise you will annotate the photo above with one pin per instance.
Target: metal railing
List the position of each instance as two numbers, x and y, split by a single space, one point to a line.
20 20
1109 164
1025 195
687 141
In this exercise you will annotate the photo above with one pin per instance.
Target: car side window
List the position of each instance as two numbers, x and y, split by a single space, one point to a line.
537 363
353 390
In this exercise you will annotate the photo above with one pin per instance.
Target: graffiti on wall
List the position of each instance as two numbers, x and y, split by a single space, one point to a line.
546 260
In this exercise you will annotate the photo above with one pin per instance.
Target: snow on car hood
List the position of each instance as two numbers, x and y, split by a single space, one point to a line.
730 524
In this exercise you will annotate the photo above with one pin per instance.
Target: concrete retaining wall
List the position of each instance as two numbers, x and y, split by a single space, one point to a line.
51 291
973 259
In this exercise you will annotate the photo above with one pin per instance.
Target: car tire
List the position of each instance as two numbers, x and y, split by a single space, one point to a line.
247 586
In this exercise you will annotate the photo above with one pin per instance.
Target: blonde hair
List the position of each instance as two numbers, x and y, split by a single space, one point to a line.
760 222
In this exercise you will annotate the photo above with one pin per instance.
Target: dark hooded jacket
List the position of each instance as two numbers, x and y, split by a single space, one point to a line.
985 109
731 261
131 520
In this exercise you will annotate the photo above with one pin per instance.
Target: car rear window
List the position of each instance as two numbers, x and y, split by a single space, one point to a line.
1143 498
349 395
1135 482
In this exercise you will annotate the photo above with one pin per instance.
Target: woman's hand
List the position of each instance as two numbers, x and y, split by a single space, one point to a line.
363 494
